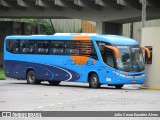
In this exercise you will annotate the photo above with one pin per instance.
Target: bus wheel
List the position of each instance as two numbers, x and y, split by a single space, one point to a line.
31 78
118 86
94 81
55 83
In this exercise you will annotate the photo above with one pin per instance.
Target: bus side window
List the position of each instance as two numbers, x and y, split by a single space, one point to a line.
31 47
24 46
13 46
56 47
72 48
43 47
80 48
16 47
93 53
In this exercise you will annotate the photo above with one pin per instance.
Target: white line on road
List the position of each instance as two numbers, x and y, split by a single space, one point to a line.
81 99
40 106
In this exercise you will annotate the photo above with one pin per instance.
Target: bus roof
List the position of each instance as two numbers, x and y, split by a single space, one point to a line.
112 39
117 40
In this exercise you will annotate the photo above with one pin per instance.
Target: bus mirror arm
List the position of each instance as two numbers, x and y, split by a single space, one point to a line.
116 51
147 51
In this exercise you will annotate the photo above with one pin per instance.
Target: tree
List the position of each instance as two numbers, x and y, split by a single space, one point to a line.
48 29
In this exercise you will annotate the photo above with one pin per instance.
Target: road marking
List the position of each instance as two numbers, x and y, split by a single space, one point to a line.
89 97
95 96
76 100
60 103
82 98
52 104
40 106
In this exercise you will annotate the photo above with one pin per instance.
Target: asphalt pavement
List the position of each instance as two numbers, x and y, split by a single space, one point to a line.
17 95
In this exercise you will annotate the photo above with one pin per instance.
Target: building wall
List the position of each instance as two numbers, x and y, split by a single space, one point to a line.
16 28
150 37
88 26
73 26
84 26
137 28
5 29
66 25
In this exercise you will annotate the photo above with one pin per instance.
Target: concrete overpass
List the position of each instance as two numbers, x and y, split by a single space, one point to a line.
107 13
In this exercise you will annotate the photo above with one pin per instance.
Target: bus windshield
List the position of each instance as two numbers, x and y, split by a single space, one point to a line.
130 59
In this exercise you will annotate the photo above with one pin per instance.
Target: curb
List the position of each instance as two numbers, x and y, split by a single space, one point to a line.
149 88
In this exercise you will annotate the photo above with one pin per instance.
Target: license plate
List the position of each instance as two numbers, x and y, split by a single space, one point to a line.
133 81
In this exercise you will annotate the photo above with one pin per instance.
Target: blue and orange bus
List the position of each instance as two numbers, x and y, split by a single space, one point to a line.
90 58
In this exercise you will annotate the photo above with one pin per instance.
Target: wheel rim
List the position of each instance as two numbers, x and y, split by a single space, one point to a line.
31 77
94 81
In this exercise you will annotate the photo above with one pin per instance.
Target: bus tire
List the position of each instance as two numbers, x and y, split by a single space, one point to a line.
54 83
94 81
31 78
118 86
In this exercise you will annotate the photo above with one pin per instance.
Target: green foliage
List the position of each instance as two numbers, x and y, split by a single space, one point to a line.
3 19
2 76
48 30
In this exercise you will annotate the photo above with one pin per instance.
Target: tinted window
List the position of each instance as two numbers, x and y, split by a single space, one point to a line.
57 47
13 46
42 47
33 46
24 46
80 48
101 46
72 48
107 54
110 58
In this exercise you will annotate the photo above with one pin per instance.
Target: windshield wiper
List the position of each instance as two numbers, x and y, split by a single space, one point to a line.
139 69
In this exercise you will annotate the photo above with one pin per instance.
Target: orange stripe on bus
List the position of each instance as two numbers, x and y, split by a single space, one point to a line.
79 60
81 38
116 51
147 50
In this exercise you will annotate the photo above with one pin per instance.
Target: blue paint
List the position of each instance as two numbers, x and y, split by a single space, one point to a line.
43 72
62 68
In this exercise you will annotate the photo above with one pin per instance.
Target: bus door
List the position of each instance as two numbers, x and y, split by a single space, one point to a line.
109 60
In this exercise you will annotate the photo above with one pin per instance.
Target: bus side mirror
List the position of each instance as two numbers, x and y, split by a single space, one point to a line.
147 51
116 51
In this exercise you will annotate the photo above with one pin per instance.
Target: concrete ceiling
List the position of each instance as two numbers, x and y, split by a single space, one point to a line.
116 11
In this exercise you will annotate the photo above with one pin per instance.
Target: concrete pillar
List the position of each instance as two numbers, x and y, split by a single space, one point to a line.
150 37
108 28
100 27
113 28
